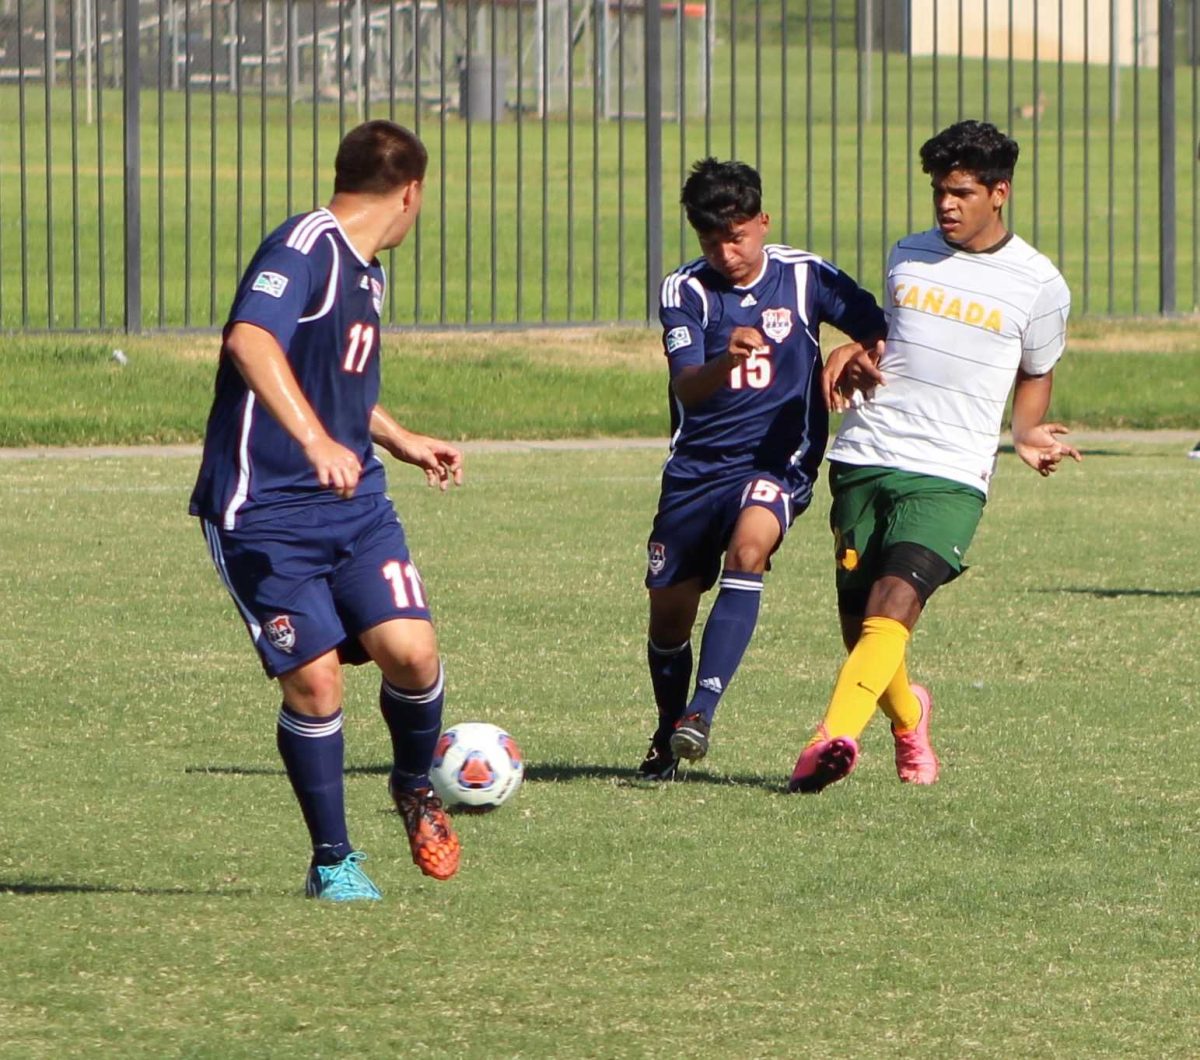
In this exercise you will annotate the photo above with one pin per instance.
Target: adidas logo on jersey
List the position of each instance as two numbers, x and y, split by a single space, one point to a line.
749 300
713 684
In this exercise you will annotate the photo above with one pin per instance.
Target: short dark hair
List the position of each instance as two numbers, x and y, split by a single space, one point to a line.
719 194
975 147
377 157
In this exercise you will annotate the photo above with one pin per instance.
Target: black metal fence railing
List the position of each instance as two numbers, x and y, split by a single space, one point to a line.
149 144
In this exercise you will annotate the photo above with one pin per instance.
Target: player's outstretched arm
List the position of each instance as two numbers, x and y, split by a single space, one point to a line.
441 462
1037 443
852 366
263 364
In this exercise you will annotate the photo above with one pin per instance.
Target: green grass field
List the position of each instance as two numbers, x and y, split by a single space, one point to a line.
531 222
66 390
1042 900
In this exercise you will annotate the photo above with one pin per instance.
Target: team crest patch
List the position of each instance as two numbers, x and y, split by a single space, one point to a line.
281 633
777 323
271 283
377 295
657 556
677 338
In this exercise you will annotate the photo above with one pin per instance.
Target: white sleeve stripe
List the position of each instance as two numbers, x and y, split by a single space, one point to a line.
301 232
297 233
229 519
218 558
331 288
306 233
698 287
311 239
801 271
670 293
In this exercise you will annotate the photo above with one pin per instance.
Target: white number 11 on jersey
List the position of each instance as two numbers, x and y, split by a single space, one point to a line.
362 338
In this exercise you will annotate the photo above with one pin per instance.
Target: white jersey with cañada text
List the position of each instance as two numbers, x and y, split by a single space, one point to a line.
960 324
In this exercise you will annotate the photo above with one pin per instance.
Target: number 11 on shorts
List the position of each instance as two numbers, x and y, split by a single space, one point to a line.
407 589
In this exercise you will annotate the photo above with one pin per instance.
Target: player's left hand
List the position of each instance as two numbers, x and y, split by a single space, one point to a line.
441 462
1042 450
850 367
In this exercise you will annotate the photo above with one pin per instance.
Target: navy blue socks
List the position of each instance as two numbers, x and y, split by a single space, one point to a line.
414 719
313 753
727 634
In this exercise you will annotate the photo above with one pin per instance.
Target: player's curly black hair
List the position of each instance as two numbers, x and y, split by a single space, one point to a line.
976 147
719 194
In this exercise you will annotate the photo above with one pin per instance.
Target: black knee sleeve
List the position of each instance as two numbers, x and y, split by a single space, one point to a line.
917 565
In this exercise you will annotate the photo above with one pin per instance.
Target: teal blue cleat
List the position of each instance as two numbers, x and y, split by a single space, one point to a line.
342 882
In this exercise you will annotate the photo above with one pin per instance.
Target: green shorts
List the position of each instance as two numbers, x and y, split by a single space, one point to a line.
876 508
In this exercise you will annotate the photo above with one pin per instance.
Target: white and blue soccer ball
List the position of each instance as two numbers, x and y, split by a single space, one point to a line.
476 766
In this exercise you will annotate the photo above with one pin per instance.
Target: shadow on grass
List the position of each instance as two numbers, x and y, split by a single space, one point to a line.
563 772
548 772
1117 594
1089 452
32 887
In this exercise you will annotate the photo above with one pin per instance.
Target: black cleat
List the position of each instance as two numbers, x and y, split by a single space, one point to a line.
659 763
690 738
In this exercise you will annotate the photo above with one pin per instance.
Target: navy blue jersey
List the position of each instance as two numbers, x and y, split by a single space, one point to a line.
308 287
771 415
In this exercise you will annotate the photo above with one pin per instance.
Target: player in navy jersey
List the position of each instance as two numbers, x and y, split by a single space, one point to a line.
749 427
291 498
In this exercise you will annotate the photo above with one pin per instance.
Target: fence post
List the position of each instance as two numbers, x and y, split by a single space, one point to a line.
131 96
654 160
1166 156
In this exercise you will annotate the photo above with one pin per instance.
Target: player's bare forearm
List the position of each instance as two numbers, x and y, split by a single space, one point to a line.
264 366
697 383
441 461
1037 443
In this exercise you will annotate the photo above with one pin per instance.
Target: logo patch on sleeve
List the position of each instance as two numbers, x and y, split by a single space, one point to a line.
271 283
678 338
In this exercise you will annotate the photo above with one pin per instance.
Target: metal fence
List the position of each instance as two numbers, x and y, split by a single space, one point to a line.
147 145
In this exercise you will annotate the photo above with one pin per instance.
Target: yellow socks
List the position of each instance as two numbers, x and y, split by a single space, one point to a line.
899 703
870 670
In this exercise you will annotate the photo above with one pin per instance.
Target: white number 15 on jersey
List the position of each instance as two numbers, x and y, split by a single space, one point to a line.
754 372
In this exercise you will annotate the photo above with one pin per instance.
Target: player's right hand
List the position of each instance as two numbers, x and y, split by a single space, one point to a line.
336 466
745 342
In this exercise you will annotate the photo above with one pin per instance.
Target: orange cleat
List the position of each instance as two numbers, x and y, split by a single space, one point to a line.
435 847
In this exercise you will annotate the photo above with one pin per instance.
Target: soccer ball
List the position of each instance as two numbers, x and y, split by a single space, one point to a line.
476 766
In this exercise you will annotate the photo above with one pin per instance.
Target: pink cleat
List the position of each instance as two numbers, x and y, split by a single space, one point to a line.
915 761
822 762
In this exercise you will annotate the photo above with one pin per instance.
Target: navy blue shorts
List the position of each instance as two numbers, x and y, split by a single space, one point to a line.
695 521
316 577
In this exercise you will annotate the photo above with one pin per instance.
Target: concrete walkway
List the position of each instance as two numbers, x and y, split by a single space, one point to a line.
1184 439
